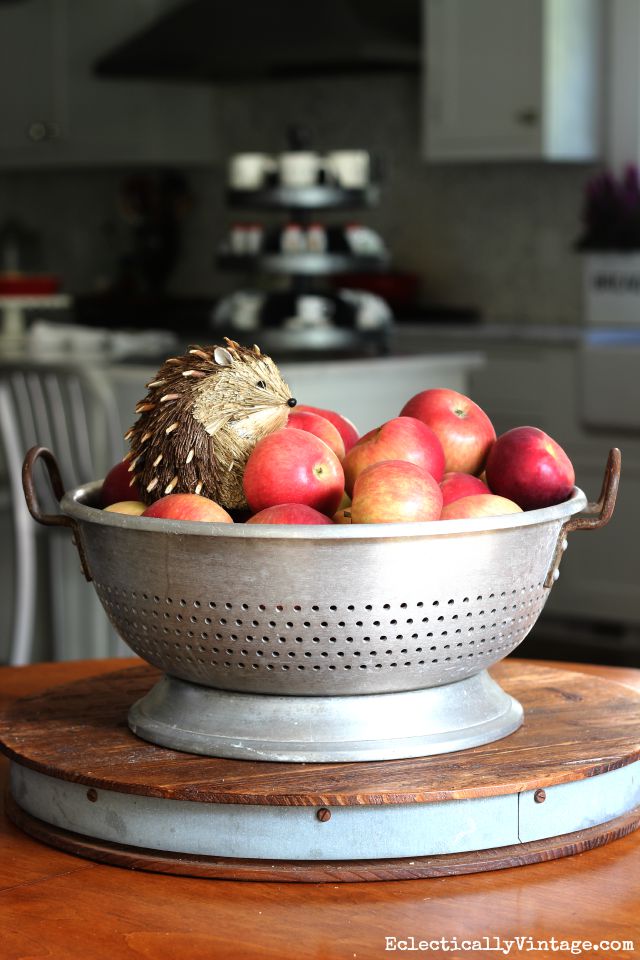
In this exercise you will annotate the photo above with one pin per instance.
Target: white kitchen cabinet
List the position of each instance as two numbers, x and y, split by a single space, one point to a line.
55 111
599 574
623 101
531 385
511 79
540 384
368 391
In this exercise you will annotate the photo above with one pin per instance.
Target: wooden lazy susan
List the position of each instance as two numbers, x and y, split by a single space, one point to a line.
566 781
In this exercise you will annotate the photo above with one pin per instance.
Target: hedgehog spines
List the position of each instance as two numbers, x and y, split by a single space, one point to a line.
201 418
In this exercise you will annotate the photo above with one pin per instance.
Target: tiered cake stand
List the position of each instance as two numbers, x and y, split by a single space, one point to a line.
305 269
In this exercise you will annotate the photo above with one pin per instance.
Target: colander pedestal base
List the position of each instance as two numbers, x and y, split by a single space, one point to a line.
389 726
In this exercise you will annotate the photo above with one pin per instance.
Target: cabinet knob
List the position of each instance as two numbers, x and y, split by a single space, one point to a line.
39 131
528 117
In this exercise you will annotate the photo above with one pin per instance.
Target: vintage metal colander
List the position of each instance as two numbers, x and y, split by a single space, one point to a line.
315 643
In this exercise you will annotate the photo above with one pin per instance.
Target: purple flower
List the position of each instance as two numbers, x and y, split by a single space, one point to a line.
611 211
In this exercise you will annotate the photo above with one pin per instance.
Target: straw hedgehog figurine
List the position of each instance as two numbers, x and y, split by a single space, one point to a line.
202 417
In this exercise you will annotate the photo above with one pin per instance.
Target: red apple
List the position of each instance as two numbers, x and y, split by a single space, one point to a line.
119 485
289 513
528 466
134 508
321 427
395 491
479 505
465 431
455 485
293 466
403 438
347 430
188 506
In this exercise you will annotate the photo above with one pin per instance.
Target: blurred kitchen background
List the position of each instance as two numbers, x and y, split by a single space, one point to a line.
385 196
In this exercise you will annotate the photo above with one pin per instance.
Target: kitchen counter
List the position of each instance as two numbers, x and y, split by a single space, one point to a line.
368 391
404 339
413 334
56 905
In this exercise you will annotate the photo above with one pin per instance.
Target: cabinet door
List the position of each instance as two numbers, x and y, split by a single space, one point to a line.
55 111
30 92
599 574
483 83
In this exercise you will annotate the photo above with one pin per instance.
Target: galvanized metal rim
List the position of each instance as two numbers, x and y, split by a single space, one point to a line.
367 832
73 505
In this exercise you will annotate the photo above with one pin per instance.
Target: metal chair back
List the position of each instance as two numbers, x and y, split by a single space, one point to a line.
73 412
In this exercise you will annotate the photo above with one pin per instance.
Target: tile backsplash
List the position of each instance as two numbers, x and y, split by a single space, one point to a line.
498 236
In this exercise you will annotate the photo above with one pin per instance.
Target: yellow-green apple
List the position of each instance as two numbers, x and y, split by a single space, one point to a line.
345 502
395 491
289 513
293 466
320 426
134 508
403 438
455 485
343 515
528 466
347 430
188 506
119 485
479 505
465 431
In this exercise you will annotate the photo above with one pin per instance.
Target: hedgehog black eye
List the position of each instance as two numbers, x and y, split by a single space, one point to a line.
261 384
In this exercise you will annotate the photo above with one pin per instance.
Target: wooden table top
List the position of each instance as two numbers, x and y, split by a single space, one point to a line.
54 905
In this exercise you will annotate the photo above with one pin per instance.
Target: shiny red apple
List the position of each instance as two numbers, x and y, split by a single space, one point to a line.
293 466
403 438
347 430
455 485
528 466
119 485
465 431
395 491
289 513
187 506
320 426
479 505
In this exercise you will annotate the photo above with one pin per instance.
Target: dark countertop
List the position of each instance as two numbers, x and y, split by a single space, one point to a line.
543 334
190 317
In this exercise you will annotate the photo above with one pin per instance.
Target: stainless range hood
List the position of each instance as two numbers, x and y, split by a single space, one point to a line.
214 40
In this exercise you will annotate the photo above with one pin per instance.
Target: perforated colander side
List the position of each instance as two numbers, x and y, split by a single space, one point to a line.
229 643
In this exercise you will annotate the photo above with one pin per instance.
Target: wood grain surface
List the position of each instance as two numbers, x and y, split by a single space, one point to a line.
54 906
575 726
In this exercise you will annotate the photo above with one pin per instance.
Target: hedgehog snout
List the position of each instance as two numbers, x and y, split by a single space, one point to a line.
291 402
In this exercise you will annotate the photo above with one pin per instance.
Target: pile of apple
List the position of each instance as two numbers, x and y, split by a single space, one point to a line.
438 460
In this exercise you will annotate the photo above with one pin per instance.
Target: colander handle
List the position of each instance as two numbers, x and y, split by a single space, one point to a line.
31 497
596 514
